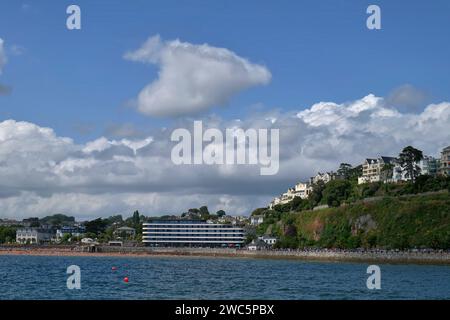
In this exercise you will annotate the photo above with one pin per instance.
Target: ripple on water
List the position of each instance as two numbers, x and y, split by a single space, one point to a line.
29 277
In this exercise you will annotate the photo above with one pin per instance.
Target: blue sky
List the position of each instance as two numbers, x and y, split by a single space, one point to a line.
315 50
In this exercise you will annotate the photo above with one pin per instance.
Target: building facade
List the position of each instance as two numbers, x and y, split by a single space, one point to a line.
444 168
191 233
302 190
125 232
323 177
76 231
429 166
373 169
256 220
269 240
34 235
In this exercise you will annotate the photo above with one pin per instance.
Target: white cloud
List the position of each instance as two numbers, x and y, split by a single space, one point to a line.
42 173
193 78
3 59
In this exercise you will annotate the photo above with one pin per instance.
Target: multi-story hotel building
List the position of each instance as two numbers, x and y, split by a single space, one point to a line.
429 165
191 233
372 169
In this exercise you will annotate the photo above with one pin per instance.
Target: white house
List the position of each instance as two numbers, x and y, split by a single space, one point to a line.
268 240
324 177
76 231
302 190
257 245
256 220
373 168
88 241
34 235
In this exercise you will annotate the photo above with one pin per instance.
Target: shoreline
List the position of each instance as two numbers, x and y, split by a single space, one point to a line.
321 255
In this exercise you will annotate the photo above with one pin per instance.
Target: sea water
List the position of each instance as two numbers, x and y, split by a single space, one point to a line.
39 277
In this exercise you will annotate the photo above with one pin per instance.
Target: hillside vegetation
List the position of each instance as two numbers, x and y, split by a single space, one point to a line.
394 222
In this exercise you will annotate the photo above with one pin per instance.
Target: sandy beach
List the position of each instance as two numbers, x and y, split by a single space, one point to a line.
375 256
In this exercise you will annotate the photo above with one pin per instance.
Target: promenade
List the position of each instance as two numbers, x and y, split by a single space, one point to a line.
413 256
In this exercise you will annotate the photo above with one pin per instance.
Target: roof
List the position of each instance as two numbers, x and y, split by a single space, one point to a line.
388 159
268 237
382 158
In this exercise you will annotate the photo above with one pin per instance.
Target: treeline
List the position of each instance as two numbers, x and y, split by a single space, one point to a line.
7 234
103 229
201 213
338 192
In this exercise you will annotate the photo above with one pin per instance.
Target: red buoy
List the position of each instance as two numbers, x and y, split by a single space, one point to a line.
113 268
125 279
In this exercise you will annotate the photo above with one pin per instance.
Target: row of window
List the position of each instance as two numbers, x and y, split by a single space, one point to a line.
192 241
187 238
219 226
193 232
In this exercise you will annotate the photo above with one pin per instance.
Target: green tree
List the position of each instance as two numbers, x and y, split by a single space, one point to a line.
204 212
7 234
58 220
408 159
387 172
258 211
344 170
355 172
66 238
115 219
96 226
336 191
220 213
316 194
136 218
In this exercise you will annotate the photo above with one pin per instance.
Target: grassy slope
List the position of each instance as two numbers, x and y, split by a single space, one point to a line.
400 222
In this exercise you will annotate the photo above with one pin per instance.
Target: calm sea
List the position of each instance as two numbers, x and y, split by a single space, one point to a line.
28 277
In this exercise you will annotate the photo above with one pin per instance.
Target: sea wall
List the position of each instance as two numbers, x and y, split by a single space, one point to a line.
373 256
386 256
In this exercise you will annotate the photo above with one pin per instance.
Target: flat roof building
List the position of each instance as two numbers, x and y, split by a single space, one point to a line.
191 233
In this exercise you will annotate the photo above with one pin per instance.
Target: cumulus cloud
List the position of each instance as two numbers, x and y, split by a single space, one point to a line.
42 173
193 78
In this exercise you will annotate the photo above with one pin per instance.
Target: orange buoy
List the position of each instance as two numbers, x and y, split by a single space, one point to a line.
125 279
